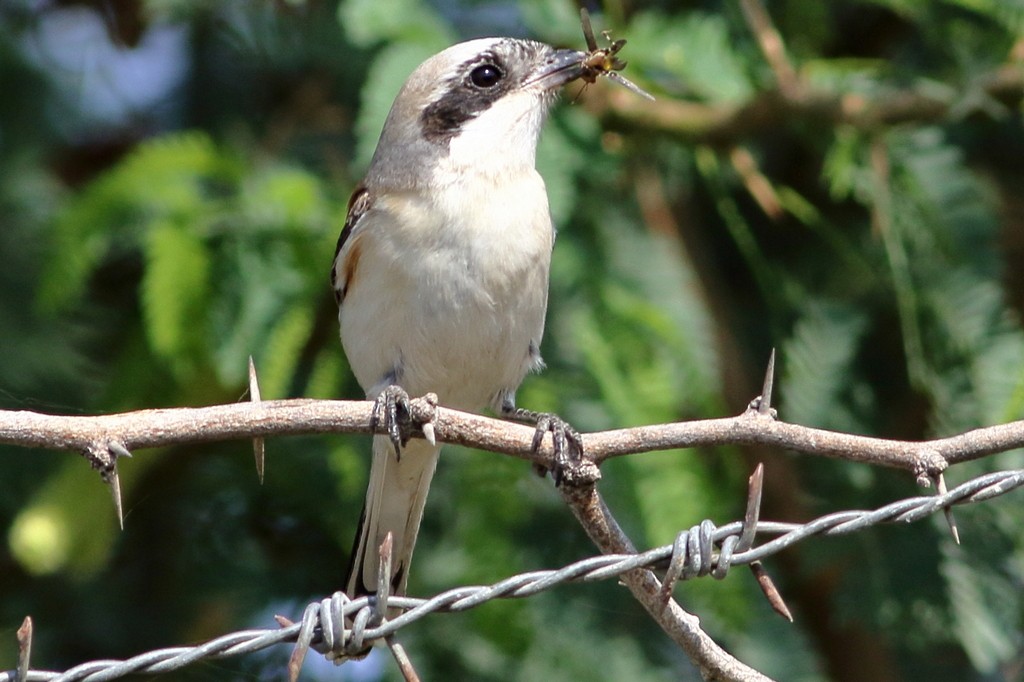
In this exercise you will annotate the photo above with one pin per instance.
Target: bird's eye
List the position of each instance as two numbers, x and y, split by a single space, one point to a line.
486 76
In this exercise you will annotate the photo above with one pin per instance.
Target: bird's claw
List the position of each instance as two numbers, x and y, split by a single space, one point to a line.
569 467
392 413
565 441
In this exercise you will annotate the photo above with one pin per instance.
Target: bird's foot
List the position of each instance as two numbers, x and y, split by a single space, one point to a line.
569 468
392 414
400 418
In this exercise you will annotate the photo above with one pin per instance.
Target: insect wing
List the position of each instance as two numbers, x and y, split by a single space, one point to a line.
629 85
588 30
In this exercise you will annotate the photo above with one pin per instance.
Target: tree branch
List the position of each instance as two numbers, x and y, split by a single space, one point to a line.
178 426
724 123
772 46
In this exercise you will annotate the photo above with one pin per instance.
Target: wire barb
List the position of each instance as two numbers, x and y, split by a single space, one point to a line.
402 659
380 611
324 623
755 486
940 489
767 585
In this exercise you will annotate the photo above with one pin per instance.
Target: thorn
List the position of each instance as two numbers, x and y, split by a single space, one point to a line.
765 404
115 490
24 636
940 489
428 433
424 412
257 443
764 581
755 484
762 404
113 479
119 450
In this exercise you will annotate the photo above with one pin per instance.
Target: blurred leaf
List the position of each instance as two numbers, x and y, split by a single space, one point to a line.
558 23
696 49
621 657
265 284
999 378
282 198
987 612
818 363
175 293
843 164
282 351
559 160
403 21
1008 12
163 179
326 376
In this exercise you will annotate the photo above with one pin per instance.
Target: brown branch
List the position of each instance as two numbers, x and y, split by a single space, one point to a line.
758 185
772 47
725 123
165 427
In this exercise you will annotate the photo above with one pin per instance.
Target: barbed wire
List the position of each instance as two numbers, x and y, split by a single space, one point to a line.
339 626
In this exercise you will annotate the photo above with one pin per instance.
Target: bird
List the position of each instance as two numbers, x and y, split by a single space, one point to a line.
441 270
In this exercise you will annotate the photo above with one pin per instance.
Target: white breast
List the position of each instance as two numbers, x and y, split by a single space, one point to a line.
451 290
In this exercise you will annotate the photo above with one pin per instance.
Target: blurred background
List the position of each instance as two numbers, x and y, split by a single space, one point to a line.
174 175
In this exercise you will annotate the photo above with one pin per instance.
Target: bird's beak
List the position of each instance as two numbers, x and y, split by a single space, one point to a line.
561 67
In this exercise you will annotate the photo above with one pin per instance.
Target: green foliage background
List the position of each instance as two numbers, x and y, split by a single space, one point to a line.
149 251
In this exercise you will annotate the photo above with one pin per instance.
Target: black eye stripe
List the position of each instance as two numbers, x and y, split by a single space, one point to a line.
475 86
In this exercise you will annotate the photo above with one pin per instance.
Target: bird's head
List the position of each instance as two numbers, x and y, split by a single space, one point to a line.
475 107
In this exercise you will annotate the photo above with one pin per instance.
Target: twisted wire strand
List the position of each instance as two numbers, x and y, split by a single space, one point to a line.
325 623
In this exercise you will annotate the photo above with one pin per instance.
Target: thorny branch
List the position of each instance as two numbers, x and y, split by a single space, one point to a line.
102 437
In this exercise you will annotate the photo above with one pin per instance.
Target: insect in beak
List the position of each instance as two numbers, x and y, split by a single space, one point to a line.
602 61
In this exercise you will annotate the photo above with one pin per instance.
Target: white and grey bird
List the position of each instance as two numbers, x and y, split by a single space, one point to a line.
441 271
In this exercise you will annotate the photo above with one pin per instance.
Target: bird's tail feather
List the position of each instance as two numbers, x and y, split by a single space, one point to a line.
395 498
